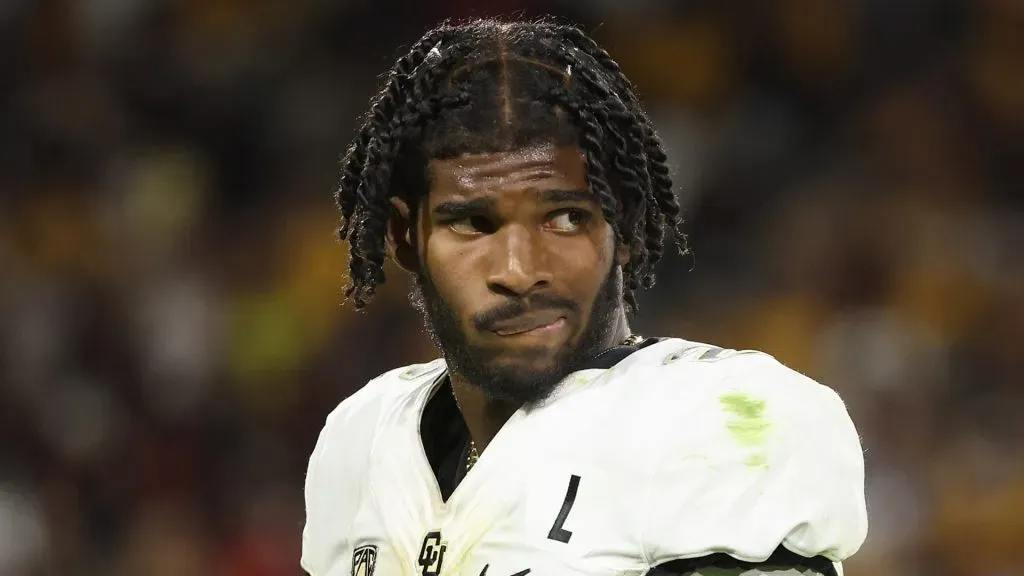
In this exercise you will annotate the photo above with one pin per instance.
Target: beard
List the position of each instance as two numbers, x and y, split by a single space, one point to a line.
526 383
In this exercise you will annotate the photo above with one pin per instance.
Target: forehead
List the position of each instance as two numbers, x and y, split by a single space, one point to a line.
538 166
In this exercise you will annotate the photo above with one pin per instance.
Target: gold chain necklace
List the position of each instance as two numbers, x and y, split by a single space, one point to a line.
474 454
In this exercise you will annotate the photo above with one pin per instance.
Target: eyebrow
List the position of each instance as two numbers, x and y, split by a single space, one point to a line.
566 196
465 208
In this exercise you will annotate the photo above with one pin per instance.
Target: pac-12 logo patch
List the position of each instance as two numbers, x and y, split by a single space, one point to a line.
364 559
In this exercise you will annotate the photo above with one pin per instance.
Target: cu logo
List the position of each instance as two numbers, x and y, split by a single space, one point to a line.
431 554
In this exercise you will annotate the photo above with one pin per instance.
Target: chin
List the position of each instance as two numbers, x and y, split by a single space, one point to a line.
518 381
536 362
527 369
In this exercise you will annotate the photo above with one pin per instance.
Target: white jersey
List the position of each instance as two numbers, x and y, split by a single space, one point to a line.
681 450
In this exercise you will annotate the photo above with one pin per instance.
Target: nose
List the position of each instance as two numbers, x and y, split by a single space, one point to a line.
520 263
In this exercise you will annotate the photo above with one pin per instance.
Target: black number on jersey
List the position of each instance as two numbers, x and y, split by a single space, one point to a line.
557 532
431 554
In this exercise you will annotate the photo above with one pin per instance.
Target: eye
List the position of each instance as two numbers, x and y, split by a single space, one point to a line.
472 225
570 220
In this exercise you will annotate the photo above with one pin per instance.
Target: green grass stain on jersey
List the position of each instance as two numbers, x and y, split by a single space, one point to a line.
757 461
748 424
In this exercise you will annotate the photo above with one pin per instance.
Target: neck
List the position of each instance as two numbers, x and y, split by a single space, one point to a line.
485 417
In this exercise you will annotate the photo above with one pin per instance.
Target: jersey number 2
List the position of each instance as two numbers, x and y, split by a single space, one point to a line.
558 532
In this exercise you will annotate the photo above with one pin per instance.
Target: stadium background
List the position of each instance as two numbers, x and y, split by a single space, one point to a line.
171 334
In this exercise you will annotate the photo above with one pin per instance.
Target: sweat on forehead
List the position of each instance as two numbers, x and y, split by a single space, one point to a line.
524 167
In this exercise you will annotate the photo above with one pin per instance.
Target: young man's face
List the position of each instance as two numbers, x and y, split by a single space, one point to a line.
519 276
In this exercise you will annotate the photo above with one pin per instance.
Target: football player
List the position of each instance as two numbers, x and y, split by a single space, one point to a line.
510 169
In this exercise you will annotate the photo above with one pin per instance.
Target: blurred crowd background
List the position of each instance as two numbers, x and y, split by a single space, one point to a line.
171 334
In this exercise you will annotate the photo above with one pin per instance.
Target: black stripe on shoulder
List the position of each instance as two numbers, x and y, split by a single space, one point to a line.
781 558
616 354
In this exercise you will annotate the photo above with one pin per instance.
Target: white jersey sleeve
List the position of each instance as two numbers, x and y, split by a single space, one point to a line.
756 456
313 559
334 477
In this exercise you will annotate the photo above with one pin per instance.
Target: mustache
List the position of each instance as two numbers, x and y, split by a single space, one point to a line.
513 308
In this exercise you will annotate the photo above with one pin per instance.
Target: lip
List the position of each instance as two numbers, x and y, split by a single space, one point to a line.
531 323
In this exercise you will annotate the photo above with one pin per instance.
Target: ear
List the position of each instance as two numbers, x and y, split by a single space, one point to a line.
399 237
622 255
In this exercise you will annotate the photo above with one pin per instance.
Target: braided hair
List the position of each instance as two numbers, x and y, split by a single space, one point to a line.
493 86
